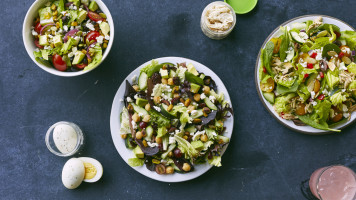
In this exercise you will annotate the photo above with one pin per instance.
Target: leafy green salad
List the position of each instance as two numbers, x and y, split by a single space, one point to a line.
308 74
173 118
70 35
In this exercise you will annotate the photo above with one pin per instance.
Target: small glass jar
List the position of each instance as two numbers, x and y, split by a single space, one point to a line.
333 182
53 147
217 35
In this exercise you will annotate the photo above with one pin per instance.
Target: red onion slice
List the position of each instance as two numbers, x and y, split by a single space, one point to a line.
68 4
86 7
45 26
69 34
353 53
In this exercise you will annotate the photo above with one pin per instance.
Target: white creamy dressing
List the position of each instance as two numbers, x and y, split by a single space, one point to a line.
65 138
219 18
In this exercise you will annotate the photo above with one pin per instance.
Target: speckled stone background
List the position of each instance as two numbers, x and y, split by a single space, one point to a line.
265 160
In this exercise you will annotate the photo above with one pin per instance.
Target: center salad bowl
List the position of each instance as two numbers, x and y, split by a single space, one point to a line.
30 46
119 104
289 25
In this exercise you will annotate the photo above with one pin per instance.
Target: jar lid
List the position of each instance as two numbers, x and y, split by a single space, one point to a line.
242 6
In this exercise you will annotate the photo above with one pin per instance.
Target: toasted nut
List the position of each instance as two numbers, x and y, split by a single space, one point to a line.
148 107
102 15
164 66
169 170
55 18
55 13
187 133
144 142
155 161
158 140
146 118
175 89
84 51
206 89
170 154
197 97
206 111
136 117
221 142
170 107
139 135
57 25
204 138
185 137
130 108
123 136
170 81
196 121
105 45
53 7
165 102
187 102
164 81
316 86
182 100
74 24
186 167
176 95
157 99
136 87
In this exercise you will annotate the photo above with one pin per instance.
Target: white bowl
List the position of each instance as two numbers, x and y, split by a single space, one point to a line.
28 39
126 153
288 123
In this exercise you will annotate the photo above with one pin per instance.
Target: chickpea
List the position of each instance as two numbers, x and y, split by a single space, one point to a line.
53 7
139 135
159 140
146 118
105 45
186 167
148 107
136 87
164 81
170 81
157 99
204 138
170 154
197 97
123 136
136 117
187 102
206 89
185 137
176 95
144 142
55 13
169 170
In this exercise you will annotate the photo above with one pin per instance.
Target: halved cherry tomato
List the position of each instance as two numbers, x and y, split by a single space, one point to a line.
341 54
321 97
38 28
306 75
264 70
314 55
268 86
92 35
81 66
321 75
37 43
310 66
59 63
95 16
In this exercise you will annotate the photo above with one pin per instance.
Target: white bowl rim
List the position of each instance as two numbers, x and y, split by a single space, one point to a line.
115 123
53 71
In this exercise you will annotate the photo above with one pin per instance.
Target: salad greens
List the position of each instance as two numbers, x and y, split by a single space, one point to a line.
70 35
308 74
173 118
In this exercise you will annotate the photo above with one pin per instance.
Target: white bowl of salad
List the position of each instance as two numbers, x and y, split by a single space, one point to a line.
68 37
305 74
171 120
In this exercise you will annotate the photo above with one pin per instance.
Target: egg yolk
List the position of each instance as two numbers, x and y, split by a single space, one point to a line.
90 171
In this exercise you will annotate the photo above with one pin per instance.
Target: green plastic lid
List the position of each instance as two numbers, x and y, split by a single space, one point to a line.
242 6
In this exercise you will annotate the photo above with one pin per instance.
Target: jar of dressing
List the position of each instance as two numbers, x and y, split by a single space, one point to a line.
64 139
217 20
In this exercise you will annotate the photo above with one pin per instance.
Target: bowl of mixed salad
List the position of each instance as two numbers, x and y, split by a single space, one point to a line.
68 37
305 74
172 119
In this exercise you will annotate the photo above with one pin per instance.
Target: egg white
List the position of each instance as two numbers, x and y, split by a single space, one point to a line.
73 173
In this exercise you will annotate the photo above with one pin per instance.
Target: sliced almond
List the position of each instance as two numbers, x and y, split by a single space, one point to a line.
346 60
332 53
331 66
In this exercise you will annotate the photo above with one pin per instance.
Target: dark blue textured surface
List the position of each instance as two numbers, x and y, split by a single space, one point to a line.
265 160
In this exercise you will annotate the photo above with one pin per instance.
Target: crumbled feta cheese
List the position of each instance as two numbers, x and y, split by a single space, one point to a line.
100 39
152 144
90 26
212 98
136 96
99 22
304 64
344 108
197 135
314 103
59 31
65 27
74 49
37 50
157 108
107 37
140 114
134 125
312 93
47 47
346 50
202 96
346 115
194 112
342 66
70 54
171 140
34 33
128 99
53 28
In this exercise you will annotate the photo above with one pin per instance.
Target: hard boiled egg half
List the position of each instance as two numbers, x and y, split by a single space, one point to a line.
77 170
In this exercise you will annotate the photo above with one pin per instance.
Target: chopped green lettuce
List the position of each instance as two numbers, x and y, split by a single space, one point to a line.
282 103
45 53
350 38
149 66
219 97
284 44
303 92
97 58
338 98
286 82
161 131
135 162
332 78
181 73
321 42
186 146
352 68
184 117
125 123
216 161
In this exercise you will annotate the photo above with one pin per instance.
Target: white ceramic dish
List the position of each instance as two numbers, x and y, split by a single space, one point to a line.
29 41
290 124
120 143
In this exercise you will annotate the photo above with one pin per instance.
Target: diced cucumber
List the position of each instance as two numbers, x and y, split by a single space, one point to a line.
269 96
165 112
170 148
197 113
224 139
191 129
165 141
296 37
149 133
142 81
210 104
128 143
139 109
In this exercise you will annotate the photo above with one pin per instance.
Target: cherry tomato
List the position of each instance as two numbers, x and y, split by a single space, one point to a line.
37 43
310 66
92 35
321 97
95 16
300 109
38 28
341 54
264 70
306 75
346 50
59 63
81 66
268 86
321 75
